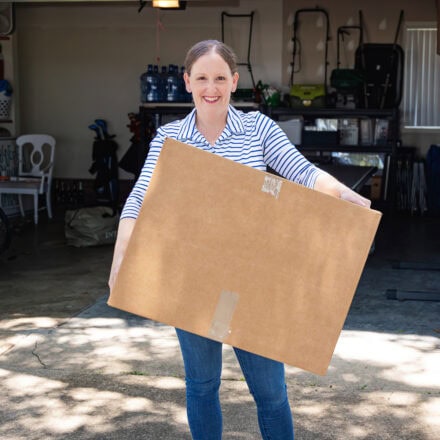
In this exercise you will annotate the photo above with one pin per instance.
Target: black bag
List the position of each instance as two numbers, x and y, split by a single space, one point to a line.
433 179
382 65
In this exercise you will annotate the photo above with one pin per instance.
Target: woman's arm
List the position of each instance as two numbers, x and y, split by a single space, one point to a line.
125 230
329 185
133 205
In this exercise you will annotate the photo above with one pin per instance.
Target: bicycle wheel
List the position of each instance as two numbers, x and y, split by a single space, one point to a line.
5 231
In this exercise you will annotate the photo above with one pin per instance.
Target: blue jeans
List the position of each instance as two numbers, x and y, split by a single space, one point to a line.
202 359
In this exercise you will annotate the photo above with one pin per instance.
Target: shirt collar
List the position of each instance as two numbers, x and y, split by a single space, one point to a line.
234 125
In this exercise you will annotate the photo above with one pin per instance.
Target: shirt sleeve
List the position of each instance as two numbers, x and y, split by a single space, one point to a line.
136 197
282 156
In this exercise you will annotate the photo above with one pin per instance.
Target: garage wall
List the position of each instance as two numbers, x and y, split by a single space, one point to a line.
77 63
380 20
380 24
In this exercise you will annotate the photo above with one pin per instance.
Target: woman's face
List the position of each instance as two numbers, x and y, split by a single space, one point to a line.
211 83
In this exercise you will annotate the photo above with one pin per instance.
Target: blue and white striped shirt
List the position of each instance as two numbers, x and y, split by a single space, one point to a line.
251 139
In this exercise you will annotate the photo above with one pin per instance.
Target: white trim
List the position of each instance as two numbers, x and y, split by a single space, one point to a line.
414 129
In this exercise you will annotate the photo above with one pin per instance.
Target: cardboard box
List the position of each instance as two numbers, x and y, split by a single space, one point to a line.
244 257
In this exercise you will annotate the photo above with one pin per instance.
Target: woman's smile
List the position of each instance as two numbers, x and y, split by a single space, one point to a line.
211 99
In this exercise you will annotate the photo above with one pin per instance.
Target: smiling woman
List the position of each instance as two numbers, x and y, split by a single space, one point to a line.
211 77
255 140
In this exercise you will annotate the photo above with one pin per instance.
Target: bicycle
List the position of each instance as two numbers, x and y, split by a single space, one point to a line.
5 231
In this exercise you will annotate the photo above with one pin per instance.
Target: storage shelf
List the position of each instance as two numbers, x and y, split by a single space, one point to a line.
169 108
315 112
374 149
389 149
158 109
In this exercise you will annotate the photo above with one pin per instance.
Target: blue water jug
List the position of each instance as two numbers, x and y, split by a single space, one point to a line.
145 83
172 84
153 80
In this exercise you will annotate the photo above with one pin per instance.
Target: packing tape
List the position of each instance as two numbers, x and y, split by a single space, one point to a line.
272 186
220 326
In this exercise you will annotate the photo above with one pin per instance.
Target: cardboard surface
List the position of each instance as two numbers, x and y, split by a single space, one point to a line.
244 257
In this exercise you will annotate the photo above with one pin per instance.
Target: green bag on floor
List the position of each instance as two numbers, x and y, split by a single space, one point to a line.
93 226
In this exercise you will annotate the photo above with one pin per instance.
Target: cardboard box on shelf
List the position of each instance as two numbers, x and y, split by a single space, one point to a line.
348 131
381 131
244 257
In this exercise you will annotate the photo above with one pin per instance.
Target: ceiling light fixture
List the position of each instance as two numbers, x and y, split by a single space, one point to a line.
166 4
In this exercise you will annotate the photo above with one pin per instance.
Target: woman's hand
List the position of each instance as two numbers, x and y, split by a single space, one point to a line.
354 197
329 185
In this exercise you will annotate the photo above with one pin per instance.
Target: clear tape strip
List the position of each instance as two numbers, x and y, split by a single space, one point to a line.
272 186
220 326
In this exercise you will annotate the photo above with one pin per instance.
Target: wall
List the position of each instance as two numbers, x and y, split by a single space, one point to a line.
77 63
80 62
380 20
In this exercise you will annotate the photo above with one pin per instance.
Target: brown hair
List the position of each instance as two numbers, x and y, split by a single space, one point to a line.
204 47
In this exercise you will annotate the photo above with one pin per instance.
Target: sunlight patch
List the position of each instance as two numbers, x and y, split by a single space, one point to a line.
357 432
29 385
136 404
167 383
25 323
430 411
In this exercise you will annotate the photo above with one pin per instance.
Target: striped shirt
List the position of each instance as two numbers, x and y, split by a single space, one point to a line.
251 139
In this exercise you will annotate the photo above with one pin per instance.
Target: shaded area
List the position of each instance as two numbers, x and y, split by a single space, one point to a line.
43 281
68 371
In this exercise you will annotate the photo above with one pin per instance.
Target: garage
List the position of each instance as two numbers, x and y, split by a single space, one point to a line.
351 86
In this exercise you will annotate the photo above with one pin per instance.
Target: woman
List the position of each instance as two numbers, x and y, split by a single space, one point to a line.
255 140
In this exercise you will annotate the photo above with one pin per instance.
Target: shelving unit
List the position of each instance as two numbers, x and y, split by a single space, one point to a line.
157 111
389 149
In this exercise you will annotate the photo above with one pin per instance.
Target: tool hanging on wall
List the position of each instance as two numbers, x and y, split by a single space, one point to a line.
392 62
142 4
349 83
308 94
247 63
105 165
382 64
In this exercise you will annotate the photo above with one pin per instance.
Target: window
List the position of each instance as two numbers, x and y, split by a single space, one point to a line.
421 95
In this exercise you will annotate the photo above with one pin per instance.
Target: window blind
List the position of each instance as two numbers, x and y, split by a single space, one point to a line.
421 97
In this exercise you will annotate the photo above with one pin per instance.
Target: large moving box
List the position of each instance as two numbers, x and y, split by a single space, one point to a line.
244 257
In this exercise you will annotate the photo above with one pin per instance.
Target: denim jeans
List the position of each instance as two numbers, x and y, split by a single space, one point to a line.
202 359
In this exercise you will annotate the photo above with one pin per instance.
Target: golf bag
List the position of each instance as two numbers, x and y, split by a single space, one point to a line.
105 166
143 131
